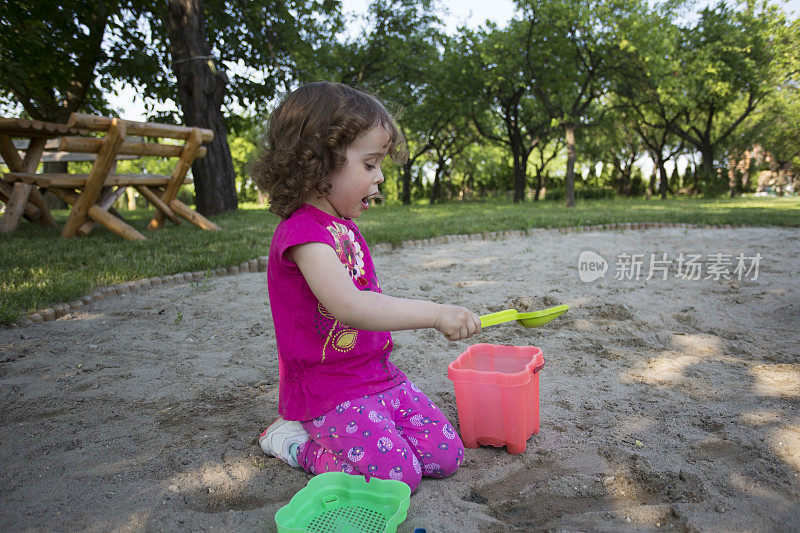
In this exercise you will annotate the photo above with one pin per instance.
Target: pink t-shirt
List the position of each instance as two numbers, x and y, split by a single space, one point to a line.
323 362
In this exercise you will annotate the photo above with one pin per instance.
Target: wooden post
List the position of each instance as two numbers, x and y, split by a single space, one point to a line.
21 191
5 191
94 183
105 204
153 198
90 145
32 212
145 129
10 154
46 219
32 157
34 154
104 218
115 224
184 164
192 216
15 207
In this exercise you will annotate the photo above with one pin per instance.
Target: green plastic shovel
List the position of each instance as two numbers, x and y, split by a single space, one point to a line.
529 320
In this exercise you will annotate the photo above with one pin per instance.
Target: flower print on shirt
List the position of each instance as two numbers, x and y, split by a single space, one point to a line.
349 252
338 336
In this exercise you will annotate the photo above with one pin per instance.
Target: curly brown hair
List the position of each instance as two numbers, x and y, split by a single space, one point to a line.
307 138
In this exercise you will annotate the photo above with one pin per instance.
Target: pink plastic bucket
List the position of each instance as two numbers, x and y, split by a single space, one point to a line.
497 394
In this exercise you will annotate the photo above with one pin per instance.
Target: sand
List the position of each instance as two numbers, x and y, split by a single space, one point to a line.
665 404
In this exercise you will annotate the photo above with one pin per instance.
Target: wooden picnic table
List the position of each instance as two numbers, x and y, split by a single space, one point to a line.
92 195
23 199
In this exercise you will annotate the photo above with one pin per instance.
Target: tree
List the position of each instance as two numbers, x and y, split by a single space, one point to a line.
71 53
201 90
447 144
502 108
772 135
273 40
614 140
53 60
725 65
396 56
662 146
570 52
50 56
674 179
772 131
450 129
542 160
778 126
644 91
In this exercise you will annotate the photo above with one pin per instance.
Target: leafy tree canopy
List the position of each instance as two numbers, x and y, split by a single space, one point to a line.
57 59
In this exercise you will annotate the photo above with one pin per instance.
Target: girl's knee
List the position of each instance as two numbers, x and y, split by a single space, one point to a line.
413 478
445 462
406 469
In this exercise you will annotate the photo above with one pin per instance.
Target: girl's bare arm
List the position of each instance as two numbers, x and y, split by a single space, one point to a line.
331 284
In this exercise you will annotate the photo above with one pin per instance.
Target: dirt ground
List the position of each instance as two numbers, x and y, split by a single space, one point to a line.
665 404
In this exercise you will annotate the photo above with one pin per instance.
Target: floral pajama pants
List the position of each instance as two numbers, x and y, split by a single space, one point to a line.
395 434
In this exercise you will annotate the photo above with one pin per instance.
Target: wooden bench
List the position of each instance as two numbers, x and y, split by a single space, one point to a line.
52 155
92 195
20 198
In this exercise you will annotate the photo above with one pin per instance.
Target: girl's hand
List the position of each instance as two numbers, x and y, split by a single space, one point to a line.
457 322
373 311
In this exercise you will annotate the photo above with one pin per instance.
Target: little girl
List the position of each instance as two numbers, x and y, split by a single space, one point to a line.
344 406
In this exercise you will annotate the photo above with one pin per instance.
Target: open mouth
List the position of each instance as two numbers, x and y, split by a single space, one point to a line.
373 197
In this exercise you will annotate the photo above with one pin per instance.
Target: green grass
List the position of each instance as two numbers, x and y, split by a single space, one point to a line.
397 223
39 268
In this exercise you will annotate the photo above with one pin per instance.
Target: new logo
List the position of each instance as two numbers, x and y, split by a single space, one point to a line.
591 266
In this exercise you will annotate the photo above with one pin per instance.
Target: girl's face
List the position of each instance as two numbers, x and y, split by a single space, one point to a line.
358 179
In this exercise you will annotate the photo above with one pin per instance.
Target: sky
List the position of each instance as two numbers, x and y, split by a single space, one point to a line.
470 12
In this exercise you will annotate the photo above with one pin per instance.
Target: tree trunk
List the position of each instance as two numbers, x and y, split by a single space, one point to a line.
436 185
707 153
617 175
519 176
625 180
651 184
662 175
469 186
405 194
201 89
569 182
781 179
733 175
517 151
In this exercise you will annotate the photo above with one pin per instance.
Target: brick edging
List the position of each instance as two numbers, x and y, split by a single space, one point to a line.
259 264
